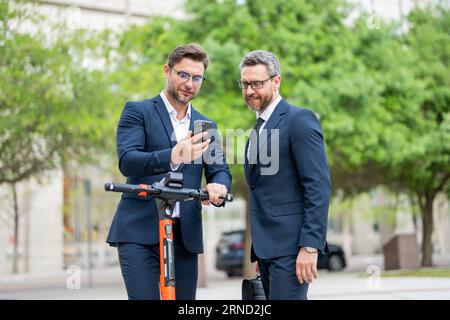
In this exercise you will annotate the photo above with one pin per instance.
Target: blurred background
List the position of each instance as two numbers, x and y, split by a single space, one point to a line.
376 73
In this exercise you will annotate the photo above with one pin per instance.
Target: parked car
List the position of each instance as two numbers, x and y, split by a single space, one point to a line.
230 255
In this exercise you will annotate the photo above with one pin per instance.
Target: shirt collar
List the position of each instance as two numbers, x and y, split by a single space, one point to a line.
265 115
171 110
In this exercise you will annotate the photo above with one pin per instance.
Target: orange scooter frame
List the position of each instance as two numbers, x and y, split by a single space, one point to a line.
166 259
166 248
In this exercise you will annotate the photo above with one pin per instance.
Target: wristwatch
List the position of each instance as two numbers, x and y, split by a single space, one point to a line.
310 250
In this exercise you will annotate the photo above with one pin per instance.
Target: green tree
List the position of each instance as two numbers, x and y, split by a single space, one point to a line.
309 37
396 129
315 47
53 103
423 169
381 94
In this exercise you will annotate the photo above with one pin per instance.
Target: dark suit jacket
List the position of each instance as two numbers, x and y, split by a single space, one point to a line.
144 149
289 209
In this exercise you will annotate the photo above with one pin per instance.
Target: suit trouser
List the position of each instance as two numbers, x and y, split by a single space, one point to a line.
141 269
279 279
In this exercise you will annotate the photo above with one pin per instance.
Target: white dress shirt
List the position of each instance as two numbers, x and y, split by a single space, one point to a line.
181 129
265 115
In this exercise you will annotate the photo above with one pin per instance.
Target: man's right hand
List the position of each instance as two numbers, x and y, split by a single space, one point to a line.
187 151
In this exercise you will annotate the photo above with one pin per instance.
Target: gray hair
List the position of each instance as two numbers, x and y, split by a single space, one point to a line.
266 58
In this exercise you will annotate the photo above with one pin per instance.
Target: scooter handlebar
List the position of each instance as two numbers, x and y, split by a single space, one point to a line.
127 188
178 193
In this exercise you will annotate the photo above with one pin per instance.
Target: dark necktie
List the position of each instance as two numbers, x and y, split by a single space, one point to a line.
254 141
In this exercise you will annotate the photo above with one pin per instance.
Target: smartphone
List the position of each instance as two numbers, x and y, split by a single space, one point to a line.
202 126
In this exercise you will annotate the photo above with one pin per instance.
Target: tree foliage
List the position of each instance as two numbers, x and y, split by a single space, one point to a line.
382 94
53 101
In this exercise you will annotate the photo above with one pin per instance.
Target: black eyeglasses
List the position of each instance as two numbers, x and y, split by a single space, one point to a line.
186 76
254 84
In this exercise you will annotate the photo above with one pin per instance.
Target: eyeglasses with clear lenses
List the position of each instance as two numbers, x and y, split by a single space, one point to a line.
186 76
254 84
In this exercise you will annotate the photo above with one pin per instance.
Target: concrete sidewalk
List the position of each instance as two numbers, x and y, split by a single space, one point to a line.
329 286
353 283
348 286
357 286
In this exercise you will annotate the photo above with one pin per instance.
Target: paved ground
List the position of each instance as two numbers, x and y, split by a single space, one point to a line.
335 286
357 282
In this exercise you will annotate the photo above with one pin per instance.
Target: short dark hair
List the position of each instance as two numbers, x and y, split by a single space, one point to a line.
191 51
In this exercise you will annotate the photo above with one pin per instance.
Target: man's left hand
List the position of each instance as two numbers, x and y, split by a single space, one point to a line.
306 266
215 191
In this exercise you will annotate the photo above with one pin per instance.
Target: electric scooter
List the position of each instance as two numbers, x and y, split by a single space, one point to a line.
166 192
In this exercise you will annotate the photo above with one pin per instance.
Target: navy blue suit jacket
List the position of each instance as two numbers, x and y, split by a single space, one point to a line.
144 149
289 209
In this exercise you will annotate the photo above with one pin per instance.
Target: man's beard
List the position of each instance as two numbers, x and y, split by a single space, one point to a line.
265 101
179 98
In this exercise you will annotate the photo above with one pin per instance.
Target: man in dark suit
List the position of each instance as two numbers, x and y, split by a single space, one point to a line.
154 137
288 178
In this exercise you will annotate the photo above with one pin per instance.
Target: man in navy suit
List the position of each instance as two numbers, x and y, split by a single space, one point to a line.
288 178
154 137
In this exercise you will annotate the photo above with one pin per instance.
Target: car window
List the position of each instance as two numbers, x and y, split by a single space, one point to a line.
232 237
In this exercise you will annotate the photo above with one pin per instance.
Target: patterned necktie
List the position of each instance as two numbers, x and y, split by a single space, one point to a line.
254 142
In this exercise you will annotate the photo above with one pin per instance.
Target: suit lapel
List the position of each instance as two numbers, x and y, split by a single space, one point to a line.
165 118
272 123
246 164
194 116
